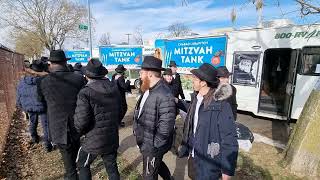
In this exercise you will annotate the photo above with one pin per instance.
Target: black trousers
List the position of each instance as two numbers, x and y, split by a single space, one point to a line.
154 166
69 155
85 159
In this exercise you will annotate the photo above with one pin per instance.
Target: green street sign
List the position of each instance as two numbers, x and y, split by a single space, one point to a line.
83 27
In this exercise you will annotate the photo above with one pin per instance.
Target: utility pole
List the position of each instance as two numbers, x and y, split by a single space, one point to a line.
128 37
89 22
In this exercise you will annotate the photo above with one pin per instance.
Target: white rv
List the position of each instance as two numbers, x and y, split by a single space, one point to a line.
274 69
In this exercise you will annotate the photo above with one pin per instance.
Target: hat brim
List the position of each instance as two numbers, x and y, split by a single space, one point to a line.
199 74
224 75
120 70
35 68
153 69
58 59
94 75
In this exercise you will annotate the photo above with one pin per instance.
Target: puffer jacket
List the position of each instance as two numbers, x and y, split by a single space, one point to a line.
215 141
154 127
97 116
27 95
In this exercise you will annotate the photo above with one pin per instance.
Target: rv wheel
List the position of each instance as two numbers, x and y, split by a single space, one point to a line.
137 83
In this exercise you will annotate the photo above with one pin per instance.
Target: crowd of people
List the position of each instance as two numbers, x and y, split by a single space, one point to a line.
81 111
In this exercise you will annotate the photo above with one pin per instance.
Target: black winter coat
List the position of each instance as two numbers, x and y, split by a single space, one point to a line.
215 141
177 82
97 116
123 87
59 90
154 128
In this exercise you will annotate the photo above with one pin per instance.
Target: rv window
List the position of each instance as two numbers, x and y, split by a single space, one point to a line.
310 63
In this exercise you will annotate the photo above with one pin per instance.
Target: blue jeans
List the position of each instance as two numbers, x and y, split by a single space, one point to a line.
33 117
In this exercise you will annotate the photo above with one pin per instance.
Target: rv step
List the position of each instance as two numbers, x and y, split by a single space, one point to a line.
271 108
270 100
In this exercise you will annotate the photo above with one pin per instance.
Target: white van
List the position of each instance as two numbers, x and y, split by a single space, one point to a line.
274 69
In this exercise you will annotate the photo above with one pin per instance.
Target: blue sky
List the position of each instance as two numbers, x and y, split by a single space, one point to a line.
119 17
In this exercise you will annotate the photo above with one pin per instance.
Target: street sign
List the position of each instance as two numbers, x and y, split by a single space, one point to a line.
83 27
78 56
121 55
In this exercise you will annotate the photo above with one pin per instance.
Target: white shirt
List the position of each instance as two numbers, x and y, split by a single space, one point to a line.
196 117
143 100
174 76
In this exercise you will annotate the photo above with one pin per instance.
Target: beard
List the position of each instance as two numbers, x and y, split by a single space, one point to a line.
145 84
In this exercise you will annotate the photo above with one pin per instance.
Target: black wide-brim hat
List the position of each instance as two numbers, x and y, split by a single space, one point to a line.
152 63
206 72
168 71
77 67
37 66
172 64
95 69
120 69
223 72
58 56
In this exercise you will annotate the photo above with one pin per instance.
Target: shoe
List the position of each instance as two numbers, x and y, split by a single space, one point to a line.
35 140
122 124
49 148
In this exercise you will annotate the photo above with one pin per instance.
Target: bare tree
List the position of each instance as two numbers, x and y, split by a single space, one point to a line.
178 30
138 35
53 21
308 7
105 39
29 44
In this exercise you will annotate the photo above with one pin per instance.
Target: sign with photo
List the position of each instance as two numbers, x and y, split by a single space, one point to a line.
245 68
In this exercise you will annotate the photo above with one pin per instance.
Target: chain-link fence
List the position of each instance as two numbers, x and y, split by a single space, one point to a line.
11 68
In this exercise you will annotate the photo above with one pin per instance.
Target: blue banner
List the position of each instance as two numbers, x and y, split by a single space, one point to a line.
191 53
78 56
121 55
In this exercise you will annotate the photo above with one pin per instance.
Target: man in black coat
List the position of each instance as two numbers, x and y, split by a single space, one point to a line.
124 86
154 119
209 134
59 89
167 77
176 79
97 117
223 75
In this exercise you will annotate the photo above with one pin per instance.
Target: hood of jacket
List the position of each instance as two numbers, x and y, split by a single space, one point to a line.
30 80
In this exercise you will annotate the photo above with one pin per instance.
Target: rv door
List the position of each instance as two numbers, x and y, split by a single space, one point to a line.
290 87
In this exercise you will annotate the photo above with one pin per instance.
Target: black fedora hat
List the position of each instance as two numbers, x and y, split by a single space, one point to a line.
206 72
120 69
77 66
223 72
95 69
172 64
168 71
58 56
152 63
37 65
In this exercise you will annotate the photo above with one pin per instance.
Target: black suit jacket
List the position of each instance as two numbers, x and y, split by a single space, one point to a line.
177 82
